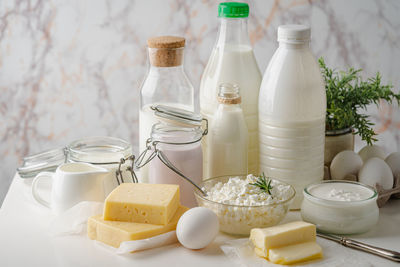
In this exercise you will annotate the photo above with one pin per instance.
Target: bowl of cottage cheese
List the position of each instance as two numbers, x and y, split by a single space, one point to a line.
246 202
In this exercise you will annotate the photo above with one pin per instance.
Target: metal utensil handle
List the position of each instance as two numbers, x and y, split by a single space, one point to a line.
385 253
171 166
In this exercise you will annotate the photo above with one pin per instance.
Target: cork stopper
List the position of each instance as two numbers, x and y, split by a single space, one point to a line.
166 51
229 94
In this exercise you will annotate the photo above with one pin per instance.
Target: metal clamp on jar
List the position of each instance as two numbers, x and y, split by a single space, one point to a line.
111 153
174 150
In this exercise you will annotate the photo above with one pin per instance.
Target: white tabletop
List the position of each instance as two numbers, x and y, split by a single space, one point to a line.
24 240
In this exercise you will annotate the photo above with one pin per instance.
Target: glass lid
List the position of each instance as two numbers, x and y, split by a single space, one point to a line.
95 150
44 161
99 150
177 116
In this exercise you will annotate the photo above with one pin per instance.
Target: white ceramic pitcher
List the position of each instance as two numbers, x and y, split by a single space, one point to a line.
71 184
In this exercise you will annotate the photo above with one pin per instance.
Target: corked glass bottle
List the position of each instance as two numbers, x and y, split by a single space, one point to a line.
166 83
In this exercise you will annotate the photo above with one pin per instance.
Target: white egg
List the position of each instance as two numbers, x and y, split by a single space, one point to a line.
393 160
368 152
197 228
374 171
345 163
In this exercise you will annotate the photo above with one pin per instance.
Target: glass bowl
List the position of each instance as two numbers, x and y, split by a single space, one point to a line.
340 216
240 219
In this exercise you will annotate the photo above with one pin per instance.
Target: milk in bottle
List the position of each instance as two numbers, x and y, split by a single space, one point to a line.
232 61
292 106
228 136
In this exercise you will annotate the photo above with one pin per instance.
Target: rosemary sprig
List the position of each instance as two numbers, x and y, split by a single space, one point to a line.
263 184
347 95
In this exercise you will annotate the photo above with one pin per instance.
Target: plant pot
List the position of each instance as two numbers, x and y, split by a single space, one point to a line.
337 141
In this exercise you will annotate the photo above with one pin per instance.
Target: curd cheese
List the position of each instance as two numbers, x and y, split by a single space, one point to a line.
241 206
240 192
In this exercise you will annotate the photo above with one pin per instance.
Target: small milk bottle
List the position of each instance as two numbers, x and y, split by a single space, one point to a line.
292 106
227 136
166 83
232 61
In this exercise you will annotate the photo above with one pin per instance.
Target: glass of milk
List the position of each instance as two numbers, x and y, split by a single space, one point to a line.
291 111
165 83
232 61
178 137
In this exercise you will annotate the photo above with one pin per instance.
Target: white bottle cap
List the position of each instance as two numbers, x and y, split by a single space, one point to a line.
294 34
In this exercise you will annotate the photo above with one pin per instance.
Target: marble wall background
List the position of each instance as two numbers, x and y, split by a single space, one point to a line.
72 68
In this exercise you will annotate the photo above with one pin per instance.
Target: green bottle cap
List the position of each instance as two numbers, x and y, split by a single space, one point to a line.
233 10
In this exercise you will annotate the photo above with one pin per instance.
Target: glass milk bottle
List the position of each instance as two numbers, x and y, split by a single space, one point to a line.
228 137
165 83
292 106
232 61
178 137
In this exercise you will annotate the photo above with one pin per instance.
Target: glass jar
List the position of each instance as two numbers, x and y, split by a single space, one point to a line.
111 153
340 207
176 140
165 83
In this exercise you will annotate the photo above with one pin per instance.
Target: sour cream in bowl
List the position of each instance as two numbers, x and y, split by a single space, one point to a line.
340 207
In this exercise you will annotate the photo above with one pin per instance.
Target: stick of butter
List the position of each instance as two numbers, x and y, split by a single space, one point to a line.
114 232
142 203
295 253
281 235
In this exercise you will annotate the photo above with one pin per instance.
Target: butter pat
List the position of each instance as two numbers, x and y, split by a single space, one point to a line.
295 253
281 235
142 203
114 232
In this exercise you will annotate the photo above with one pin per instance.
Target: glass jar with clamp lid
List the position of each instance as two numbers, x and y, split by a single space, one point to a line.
174 150
110 153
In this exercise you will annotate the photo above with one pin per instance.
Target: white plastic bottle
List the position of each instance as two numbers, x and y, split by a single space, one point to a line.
227 136
232 61
166 83
292 106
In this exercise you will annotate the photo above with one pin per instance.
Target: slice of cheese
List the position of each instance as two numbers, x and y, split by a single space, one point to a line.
142 203
295 253
281 235
114 232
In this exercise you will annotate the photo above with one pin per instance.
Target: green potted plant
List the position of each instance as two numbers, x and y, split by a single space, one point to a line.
347 94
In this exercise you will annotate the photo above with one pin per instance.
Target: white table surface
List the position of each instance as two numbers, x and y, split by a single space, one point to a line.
24 240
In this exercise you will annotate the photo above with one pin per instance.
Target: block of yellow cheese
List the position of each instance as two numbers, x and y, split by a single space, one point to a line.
281 235
142 203
114 232
295 253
